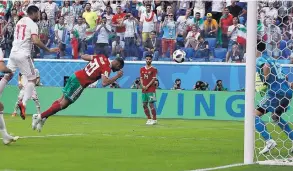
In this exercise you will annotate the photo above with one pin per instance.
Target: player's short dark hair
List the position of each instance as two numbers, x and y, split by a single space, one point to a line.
154 32
121 61
149 55
261 46
32 10
197 13
88 4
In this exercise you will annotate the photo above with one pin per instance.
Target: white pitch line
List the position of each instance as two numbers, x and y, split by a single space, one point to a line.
46 136
221 167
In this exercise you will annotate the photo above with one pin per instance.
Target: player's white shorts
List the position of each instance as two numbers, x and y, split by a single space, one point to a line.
22 61
21 94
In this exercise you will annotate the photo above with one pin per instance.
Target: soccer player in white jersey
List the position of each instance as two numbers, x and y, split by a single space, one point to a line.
25 35
22 81
6 138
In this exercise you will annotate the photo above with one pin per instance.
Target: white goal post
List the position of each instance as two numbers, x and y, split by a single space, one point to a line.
250 82
280 156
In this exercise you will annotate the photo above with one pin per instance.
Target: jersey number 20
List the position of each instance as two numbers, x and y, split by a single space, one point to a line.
93 66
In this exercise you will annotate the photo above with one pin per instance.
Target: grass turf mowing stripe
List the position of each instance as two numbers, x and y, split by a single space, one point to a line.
54 135
220 167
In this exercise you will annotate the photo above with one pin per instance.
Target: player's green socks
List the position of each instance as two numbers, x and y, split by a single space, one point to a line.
286 128
261 128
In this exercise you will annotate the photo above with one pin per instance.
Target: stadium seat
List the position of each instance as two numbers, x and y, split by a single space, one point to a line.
131 58
212 43
220 53
216 60
189 52
286 53
68 50
90 49
283 44
164 59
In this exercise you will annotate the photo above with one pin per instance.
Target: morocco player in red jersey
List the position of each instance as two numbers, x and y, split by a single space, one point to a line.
148 76
98 67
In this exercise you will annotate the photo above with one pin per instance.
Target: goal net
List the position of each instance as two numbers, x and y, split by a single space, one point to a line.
272 139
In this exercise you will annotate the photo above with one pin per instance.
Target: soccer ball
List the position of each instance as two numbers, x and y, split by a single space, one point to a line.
179 56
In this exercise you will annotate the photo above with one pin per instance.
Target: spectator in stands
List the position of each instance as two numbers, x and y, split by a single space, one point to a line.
131 37
199 7
177 85
148 21
217 9
169 36
118 47
44 29
192 37
68 13
8 37
117 22
183 6
225 21
98 6
90 16
202 48
233 32
114 4
14 17
109 15
17 6
169 10
234 9
25 5
184 23
61 35
210 27
160 11
103 31
235 55
274 37
77 7
79 31
151 46
199 22
287 27
51 9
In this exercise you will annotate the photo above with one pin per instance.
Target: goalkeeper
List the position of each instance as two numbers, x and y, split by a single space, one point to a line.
276 98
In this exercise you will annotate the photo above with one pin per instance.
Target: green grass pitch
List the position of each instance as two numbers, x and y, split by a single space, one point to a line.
124 144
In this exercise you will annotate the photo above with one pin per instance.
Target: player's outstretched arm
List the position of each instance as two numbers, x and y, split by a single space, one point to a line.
41 45
3 68
87 57
107 81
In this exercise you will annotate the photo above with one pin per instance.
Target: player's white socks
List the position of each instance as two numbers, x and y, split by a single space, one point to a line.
38 105
3 84
28 92
3 126
15 107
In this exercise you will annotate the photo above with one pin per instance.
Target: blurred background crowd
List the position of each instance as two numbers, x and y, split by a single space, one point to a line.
206 30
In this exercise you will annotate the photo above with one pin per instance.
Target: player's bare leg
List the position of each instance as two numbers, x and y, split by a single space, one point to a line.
39 119
154 113
147 113
28 92
7 139
4 81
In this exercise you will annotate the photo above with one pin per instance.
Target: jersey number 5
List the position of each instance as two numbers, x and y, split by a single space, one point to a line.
21 28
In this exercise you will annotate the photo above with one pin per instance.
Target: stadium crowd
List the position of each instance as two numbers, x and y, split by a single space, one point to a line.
206 30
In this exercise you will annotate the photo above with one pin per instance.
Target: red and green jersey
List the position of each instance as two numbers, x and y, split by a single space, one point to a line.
147 74
93 71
